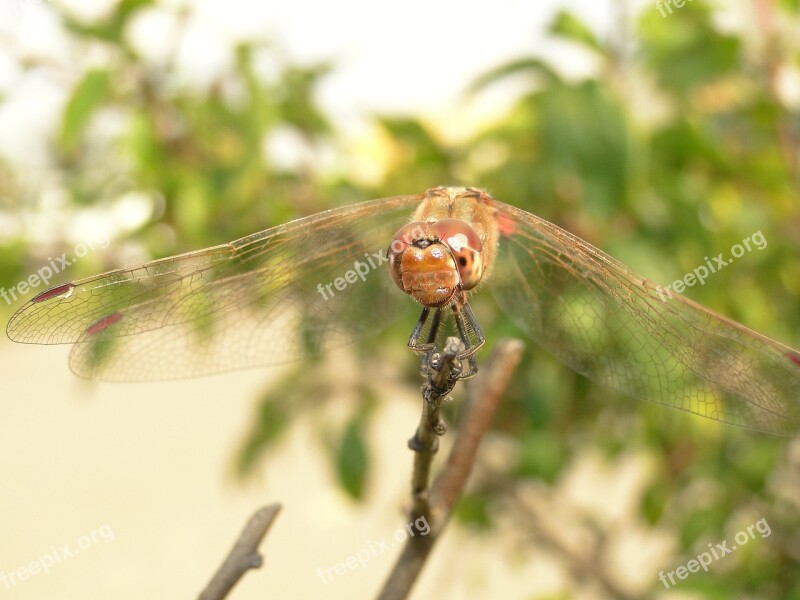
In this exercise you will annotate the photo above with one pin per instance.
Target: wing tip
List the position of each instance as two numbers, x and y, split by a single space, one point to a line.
15 330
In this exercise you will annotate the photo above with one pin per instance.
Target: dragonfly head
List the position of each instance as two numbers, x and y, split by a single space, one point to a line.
432 261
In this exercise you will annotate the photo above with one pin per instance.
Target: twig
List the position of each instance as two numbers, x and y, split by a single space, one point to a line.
483 398
443 372
484 395
583 565
244 554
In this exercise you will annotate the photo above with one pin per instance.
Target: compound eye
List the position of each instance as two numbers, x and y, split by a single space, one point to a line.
404 237
466 248
408 235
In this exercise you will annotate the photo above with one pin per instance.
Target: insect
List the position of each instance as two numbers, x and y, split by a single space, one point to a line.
319 282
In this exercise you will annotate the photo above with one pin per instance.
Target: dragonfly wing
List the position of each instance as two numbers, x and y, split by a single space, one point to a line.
271 297
618 329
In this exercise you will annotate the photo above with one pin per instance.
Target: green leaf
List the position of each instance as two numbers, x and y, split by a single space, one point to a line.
273 419
654 502
701 523
531 66
90 93
688 53
792 6
474 509
109 29
542 455
352 461
568 26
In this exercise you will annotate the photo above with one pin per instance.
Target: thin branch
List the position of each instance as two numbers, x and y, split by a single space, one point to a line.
244 554
583 560
443 371
483 398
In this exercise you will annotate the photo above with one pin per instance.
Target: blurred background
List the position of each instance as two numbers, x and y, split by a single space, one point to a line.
661 132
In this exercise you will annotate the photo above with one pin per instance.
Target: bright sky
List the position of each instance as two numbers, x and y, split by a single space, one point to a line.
418 58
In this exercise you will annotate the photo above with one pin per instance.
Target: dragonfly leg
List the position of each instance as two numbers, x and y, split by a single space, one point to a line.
471 334
413 341
469 331
427 348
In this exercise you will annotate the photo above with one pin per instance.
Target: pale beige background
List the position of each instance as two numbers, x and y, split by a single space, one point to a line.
152 461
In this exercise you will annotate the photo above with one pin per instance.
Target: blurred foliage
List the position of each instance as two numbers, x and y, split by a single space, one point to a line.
352 460
681 144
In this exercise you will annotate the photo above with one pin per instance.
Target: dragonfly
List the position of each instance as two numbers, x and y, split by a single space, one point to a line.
307 286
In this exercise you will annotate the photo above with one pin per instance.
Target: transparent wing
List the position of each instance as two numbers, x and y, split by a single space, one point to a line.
611 325
271 297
